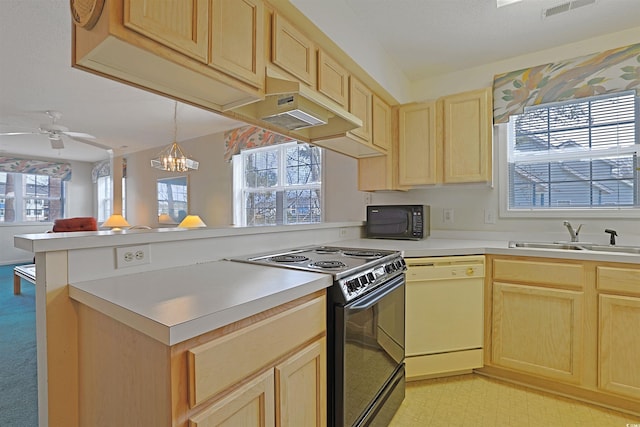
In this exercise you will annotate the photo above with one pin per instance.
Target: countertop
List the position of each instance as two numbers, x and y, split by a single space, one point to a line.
173 305
450 247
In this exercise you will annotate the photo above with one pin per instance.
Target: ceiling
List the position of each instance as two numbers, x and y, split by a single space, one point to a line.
421 37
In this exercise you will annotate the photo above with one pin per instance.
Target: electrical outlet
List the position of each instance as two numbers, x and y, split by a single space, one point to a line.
343 232
447 216
367 198
489 216
129 256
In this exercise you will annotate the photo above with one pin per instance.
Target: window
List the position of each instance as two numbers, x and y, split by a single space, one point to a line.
103 185
104 193
279 184
30 197
580 155
173 199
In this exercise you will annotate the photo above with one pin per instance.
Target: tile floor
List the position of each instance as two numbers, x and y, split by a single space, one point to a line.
477 401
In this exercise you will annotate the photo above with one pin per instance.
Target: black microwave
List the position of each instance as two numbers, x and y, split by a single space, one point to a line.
397 222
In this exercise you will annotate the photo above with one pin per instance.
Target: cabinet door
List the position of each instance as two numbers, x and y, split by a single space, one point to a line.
360 102
375 173
417 148
381 124
293 51
301 388
619 346
538 330
253 404
333 79
180 25
237 39
467 134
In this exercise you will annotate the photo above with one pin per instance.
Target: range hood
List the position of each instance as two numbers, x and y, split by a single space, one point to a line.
295 110
292 111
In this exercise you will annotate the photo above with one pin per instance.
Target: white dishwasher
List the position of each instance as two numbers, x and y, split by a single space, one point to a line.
444 315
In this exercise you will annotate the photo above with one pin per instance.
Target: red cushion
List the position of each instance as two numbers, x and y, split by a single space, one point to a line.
83 223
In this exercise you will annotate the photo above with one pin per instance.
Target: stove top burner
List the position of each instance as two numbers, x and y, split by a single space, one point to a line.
324 250
327 264
289 258
363 254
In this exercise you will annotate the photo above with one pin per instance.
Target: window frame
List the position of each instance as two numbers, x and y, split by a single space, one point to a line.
239 208
501 134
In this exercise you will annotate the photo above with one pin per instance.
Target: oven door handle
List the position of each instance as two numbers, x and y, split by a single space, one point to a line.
374 297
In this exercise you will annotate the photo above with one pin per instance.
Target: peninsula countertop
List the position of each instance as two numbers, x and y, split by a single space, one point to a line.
175 304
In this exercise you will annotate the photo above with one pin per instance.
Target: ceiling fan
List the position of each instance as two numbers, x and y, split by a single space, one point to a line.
55 131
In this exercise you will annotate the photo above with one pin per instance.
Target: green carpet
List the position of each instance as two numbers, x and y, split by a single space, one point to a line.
18 380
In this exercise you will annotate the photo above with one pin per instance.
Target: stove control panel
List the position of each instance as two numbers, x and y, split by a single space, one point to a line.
364 281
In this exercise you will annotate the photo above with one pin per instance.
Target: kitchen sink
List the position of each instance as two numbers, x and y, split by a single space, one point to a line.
576 246
623 249
547 245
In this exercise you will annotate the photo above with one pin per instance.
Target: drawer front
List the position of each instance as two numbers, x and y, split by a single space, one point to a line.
223 362
618 279
540 273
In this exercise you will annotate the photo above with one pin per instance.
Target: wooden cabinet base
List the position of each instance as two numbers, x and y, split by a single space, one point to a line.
127 378
442 364
589 396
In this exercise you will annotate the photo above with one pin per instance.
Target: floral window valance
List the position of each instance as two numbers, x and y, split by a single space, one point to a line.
611 71
37 167
244 137
100 169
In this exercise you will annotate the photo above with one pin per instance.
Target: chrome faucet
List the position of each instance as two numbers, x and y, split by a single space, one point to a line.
572 232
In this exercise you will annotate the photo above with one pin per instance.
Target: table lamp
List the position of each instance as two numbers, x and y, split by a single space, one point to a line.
192 221
115 222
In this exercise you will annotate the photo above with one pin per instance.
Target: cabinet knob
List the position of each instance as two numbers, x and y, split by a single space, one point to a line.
469 271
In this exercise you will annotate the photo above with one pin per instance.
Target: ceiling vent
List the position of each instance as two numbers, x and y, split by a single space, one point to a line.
565 7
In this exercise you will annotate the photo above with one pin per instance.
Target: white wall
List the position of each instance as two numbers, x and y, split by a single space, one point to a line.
80 202
470 201
478 77
211 186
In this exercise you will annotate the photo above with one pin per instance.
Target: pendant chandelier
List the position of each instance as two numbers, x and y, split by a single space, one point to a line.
172 158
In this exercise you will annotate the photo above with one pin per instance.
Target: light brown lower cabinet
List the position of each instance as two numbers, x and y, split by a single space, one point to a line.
291 394
253 404
265 370
619 326
566 326
538 330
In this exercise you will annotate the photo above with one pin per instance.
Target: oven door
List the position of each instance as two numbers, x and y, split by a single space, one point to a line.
370 334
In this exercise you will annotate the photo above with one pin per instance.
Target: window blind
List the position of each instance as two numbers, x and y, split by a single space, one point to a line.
580 154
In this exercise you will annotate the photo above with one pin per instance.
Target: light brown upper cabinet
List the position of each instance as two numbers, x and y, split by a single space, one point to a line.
237 31
181 25
292 51
357 142
448 141
381 123
417 146
333 79
467 136
380 172
179 49
360 104
237 39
